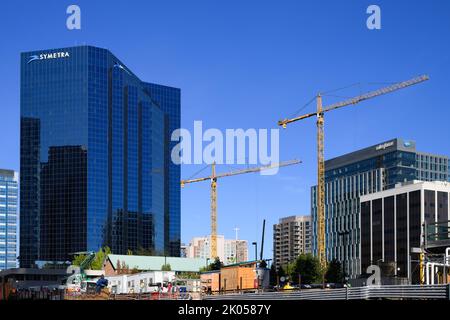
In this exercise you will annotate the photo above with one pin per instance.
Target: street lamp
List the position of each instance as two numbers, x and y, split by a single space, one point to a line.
256 250
343 234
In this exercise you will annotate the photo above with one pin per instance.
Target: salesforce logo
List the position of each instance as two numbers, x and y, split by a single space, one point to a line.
407 144
45 56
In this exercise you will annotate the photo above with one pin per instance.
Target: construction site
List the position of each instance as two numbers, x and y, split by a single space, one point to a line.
428 260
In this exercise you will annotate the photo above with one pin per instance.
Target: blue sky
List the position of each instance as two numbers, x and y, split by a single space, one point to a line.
246 64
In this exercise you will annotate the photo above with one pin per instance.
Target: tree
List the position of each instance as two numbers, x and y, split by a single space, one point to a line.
136 270
100 257
166 267
290 271
118 267
124 268
188 275
78 259
281 272
334 272
308 267
216 265
145 252
273 275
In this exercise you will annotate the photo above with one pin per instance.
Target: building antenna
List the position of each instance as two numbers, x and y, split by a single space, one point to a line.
236 230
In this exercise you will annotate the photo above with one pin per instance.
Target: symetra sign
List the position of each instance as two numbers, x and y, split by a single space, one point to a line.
384 145
45 56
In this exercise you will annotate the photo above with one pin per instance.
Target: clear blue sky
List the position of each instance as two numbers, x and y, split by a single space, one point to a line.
246 64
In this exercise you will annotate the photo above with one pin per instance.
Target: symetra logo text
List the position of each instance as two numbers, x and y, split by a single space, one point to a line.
45 56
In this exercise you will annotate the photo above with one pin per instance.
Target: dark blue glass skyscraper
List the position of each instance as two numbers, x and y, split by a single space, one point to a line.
95 157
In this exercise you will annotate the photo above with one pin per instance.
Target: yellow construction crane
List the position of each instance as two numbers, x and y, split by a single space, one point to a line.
320 227
213 178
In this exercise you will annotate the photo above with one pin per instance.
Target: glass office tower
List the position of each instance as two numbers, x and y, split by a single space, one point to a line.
95 157
359 173
8 218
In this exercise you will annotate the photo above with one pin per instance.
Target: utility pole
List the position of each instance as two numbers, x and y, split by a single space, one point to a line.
256 250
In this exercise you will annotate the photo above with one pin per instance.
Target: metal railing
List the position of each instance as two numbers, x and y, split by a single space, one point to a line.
357 293
37 295
436 234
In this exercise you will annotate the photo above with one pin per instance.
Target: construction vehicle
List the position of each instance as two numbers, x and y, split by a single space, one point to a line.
319 114
80 285
78 272
213 178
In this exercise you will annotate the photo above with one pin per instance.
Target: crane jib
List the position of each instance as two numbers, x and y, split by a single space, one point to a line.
357 99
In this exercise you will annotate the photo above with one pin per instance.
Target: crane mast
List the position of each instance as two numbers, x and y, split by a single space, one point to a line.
213 211
320 194
321 182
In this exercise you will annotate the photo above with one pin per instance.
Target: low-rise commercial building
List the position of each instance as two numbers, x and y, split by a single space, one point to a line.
142 282
117 264
235 277
18 279
392 220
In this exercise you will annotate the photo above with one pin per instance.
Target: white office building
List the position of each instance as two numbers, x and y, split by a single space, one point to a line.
392 224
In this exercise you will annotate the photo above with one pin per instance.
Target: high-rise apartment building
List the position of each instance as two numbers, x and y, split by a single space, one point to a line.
363 172
291 237
228 250
95 157
8 218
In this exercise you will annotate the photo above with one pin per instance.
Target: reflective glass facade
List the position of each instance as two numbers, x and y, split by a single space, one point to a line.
343 222
169 102
363 172
95 157
8 218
